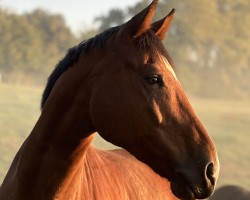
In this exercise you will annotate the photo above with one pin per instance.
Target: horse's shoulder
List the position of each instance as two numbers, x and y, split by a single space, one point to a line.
130 177
122 159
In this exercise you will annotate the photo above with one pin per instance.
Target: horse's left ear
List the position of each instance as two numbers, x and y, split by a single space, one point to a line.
161 27
141 22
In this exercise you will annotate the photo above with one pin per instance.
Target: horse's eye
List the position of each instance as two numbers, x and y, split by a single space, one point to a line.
154 79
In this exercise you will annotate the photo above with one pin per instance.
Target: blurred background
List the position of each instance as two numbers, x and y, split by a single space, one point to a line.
209 42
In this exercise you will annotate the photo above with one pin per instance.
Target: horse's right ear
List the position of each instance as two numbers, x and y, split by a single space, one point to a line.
161 27
141 22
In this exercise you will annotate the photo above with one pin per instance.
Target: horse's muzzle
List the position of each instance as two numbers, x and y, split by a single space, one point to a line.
189 186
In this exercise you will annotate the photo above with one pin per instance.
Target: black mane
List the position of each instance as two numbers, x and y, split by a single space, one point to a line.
147 42
71 57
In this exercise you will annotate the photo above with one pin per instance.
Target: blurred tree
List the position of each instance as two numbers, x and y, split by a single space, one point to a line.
86 34
132 10
19 43
56 36
33 42
113 18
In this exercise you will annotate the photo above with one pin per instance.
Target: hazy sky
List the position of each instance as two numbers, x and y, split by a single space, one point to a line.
77 13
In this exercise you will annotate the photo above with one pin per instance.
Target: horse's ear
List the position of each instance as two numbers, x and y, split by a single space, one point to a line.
161 27
141 22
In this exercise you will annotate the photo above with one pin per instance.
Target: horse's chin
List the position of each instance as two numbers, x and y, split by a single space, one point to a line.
184 189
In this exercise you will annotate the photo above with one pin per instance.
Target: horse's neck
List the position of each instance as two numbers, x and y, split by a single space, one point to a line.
52 157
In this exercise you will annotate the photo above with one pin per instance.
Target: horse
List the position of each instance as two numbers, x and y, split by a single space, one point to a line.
231 192
120 83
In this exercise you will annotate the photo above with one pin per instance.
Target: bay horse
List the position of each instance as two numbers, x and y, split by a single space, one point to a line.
121 84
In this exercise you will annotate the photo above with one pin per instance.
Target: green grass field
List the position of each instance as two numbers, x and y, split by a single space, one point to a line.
228 123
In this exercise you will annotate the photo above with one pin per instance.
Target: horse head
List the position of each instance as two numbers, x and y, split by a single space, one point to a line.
138 103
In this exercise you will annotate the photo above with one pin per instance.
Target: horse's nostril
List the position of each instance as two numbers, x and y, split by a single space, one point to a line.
210 173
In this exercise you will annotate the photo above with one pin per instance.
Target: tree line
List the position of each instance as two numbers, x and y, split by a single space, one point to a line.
31 43
208 41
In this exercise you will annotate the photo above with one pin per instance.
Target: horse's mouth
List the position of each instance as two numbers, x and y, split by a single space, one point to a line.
184 189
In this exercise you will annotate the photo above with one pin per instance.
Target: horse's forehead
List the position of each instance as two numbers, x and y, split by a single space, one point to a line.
168 66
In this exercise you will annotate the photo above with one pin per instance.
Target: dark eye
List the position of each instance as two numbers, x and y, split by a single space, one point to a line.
154 79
